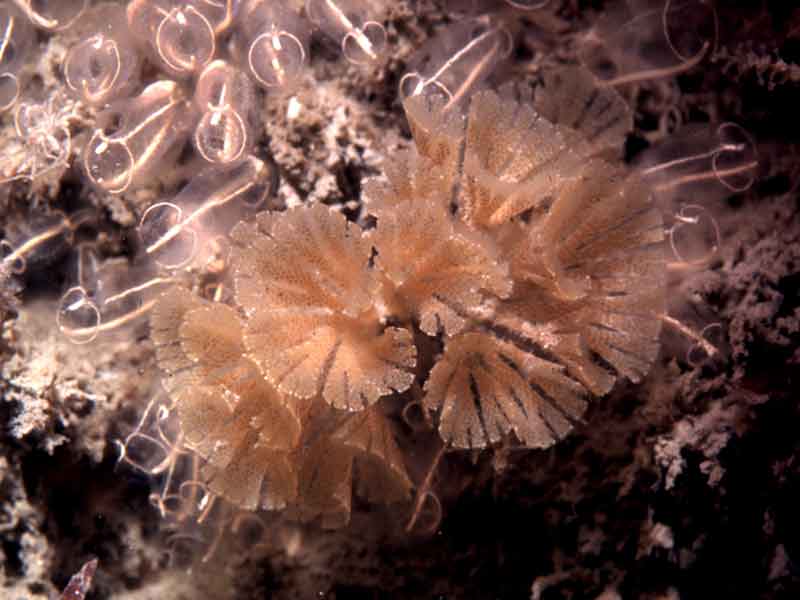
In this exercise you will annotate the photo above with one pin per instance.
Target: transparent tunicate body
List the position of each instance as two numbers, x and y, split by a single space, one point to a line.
16 39
723 154
177 232
45 237
353 25
454 63
135 135
220 13
107 296
688 173
77 316
225 99
648 39
53 15
273 43
104 64
179 34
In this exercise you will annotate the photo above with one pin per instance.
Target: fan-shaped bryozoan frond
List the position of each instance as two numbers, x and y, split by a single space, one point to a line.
247 442
325 478
439 271
578 239
408 175
165 322
438 135
229 415
429 173
382 475
593 268
304 281
482 385
360 451
570 98
513 161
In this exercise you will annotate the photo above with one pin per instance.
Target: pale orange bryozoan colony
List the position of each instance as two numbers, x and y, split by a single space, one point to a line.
511 235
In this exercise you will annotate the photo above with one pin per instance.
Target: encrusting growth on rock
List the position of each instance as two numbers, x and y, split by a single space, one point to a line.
512 236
